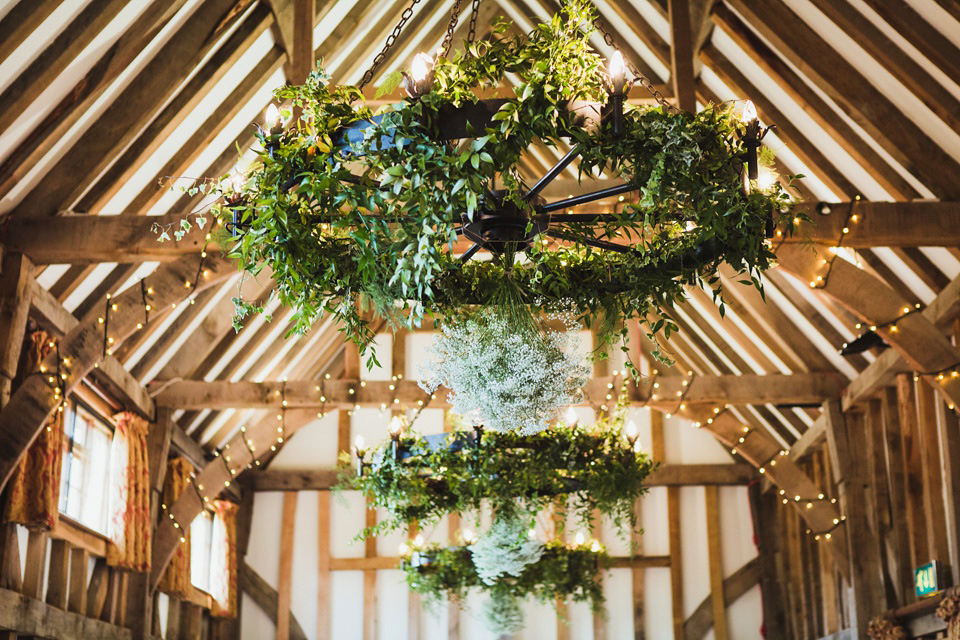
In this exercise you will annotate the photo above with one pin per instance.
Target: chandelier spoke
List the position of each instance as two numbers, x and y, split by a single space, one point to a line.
593 242
554 171
593 196
469 253
584 217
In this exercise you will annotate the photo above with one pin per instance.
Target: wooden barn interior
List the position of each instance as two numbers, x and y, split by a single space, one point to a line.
808 439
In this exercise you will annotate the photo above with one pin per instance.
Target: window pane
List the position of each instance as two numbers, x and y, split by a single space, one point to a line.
200 531
86 468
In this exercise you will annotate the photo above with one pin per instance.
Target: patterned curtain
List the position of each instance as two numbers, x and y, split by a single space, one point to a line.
223 560
34 489
176 578
129 501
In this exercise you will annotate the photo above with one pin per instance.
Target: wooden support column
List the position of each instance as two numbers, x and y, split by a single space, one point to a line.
558 522
324 629
933 498
97 589
897 495
769 539
79 561
35 562
10 575
15 276
285 577
846 444
715 552
57 574
174 609
949 431
370 617
913 470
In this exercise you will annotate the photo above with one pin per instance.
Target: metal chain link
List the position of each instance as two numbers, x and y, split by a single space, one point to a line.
474 12
451 26
638 77
380 57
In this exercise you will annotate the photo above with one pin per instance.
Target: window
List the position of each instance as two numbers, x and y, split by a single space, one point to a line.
86 467
201 542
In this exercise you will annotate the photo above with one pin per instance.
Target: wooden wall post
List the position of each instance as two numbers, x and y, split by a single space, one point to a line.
15 275
897 494
715 553
933 498
913 471
845 445
284 579
766 532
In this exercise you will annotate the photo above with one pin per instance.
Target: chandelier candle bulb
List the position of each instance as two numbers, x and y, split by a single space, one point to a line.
617 88
420 79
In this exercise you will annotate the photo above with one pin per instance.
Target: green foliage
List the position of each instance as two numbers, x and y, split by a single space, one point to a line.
564 571
515 475
340 245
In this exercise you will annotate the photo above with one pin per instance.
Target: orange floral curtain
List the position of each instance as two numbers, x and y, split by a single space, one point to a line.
34 490
129 523
176 578
223 559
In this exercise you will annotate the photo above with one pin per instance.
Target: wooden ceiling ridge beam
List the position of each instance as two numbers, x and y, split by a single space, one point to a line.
913 336
666 475
33 403
863 102
790 389
82 239
132 110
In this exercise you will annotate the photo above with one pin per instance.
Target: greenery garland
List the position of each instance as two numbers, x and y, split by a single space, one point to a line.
340 244
563 571
515 475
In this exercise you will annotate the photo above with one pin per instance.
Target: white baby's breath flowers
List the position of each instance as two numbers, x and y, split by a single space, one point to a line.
506 549
507 376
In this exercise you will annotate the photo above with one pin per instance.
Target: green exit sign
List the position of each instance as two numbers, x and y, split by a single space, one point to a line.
926 579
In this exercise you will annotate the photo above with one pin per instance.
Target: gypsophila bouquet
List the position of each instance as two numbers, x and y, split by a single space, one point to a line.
508 375
506 549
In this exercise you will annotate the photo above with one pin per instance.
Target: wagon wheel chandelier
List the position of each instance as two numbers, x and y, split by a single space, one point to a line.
396 204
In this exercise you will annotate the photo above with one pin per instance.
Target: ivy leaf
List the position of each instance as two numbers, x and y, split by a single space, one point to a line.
389 84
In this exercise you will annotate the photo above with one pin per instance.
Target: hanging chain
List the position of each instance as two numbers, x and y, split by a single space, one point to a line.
451 26
474 11
380 57
638 77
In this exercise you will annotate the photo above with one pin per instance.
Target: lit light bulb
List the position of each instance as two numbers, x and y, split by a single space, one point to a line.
359 443
749 111
631 431
403 548
571 417
418 541
532 534
395 427
237 181
618 70
272 116
766 179
420 68
469 536
579 538
595 546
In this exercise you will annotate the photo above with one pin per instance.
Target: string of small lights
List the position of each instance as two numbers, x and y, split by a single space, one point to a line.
820 281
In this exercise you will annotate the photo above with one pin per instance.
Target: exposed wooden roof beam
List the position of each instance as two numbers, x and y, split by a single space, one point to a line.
133 109
818 109
682 55
810 388
914 336
863 102
79 239
22 20
669 475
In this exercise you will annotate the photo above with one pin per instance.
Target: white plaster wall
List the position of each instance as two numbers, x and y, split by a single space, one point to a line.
314 447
